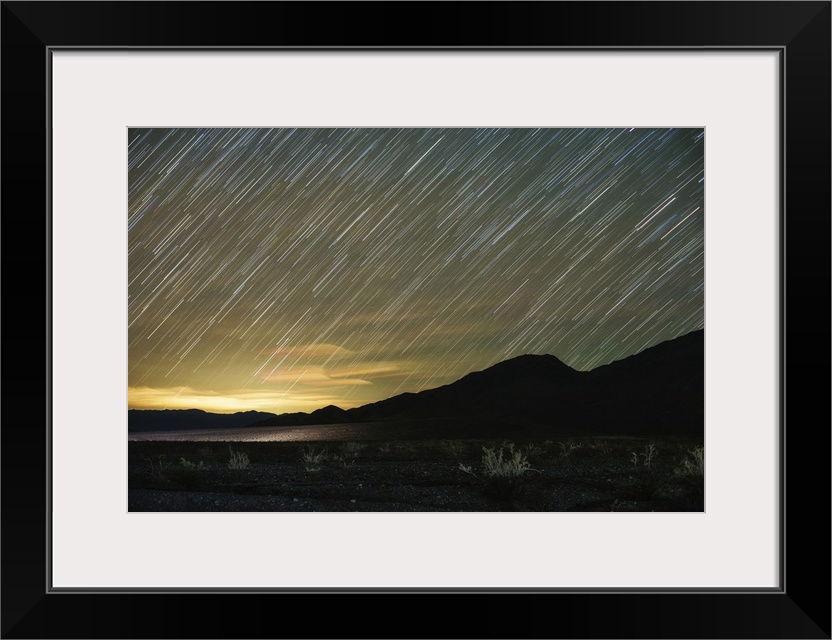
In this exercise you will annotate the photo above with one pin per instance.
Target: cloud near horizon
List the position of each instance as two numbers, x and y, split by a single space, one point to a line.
330 366
379 261
311 377
323 351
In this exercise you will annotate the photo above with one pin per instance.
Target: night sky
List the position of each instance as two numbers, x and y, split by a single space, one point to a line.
289 269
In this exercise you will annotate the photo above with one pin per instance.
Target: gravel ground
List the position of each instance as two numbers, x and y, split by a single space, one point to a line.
449 476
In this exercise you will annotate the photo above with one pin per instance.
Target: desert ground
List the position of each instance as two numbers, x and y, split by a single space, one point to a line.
623 473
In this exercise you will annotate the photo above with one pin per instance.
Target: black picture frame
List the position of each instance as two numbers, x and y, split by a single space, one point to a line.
799 31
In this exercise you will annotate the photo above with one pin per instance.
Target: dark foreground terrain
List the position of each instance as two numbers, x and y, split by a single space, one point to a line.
576 474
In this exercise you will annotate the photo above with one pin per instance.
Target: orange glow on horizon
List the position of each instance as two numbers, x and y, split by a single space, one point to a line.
231 401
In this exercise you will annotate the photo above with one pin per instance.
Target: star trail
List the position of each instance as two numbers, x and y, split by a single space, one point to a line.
289 269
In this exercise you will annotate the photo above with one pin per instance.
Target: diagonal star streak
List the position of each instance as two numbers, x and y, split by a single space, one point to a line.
287 269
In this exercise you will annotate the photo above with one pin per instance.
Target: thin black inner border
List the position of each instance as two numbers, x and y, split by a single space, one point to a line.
781 50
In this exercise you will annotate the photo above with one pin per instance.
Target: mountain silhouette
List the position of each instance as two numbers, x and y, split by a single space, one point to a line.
660 390
509 387
174 419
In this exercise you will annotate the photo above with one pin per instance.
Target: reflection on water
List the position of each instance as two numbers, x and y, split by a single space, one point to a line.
314 433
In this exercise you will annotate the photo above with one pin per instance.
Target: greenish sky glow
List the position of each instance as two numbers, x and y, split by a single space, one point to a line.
288 269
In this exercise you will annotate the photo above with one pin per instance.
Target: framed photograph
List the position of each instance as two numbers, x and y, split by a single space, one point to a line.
137 121
385 343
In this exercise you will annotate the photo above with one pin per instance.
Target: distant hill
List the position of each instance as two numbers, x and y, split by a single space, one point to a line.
175 419
516 386
660 390
328 415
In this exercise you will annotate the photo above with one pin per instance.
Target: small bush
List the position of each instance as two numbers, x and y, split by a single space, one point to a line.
649 453
239 461
502 469
455 447
690 479
497 464
568 448
189 474
601 447
532 450
693 465
187 465
312 458
159 469
352 449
